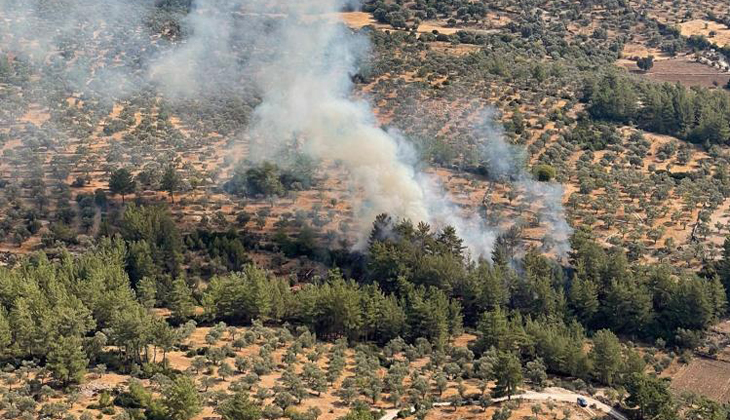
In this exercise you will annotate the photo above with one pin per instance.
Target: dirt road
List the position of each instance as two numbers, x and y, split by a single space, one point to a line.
555 394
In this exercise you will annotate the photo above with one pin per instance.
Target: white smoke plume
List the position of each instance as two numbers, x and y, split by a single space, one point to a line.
306 95
208 61
301 62
299 58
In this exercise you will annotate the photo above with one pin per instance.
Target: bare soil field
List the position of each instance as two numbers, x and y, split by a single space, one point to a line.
682 70
707 377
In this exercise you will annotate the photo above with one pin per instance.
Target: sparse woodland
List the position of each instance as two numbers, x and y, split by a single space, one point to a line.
152 269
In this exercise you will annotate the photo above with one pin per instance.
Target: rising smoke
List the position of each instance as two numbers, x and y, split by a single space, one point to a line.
506 163
307 94
213 59
300 59
306 88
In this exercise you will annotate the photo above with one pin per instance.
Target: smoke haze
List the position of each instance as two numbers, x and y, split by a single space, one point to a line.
299 59
506 162
66 37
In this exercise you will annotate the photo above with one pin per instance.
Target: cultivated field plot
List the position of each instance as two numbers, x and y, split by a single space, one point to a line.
707 377
683 70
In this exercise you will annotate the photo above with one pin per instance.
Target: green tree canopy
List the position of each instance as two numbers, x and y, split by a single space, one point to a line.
180 399
239 407
67 360
121 182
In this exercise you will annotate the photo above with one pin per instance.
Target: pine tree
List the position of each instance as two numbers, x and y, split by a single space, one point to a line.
6 336
628 305
667 116
258 300
508 371
723 266
239 407
163 337
390 318
180 399
121 182
24 327
140 263
131 329
492 292
691 305
606 356
613 98
493 329
382 227
451 241
719 297
70 317
67 360
170 181
685 112
650 396
147 292
583 299
181 300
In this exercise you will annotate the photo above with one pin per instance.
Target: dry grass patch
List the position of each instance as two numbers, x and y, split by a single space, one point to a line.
715 32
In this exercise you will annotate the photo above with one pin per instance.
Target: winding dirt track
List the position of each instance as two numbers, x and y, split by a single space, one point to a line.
555 394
